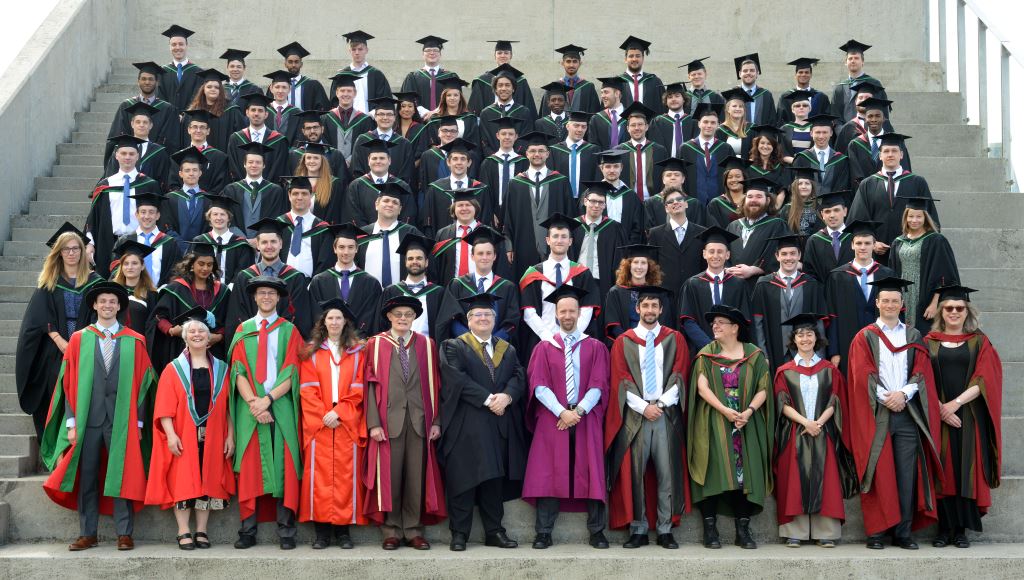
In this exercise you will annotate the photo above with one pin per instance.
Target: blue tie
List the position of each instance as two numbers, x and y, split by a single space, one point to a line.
716 297
677 132
149 259
180 70
191 203
821 160
385 258
558 275
291 97
126 202
297 237
344 285
480 284
836 244
650 376
572 171
874 148
864 283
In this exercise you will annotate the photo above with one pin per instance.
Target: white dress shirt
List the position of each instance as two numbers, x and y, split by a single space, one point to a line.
156 257
544 324
116 200
374 258
268 385
892 367
304 261
422 322
667 398
808 386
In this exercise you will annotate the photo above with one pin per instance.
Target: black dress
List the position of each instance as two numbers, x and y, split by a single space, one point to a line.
953 365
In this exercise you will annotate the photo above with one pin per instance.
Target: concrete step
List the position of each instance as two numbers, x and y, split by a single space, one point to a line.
1013 398
123 90
15 294
11 311
18 445
986 248
9 404
96 127
108 97
14 248
38 235
982 209
80 149
89 137
80 208
106 117
961 173
999 289
94 161
1013 445
91 171
924 107
84 184
938 140
17 465
103 107
1004 332
16 423
23 263
41 221
64 195
569 562
10 328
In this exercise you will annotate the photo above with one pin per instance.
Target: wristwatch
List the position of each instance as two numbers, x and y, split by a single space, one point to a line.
660 405
580 411
958 401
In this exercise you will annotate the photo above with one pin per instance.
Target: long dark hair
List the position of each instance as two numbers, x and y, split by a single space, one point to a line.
318 335
183 269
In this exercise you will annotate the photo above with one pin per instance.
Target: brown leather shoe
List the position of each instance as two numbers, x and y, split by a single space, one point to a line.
419 543
125 543
83 543
391 544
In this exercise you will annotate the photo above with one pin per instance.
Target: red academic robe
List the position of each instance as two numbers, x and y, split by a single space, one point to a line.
620 496
173 479
376 474
879 497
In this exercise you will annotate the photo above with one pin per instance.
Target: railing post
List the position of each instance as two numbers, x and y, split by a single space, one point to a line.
1004 107
983 82
961 58
943 49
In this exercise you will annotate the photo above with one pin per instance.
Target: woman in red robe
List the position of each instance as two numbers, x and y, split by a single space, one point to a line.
969 384
333 426
190 467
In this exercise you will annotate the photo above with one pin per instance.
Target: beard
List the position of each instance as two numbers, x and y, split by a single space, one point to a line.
754 211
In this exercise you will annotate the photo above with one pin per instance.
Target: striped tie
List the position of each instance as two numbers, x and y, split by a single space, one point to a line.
570 375
107 348
650 378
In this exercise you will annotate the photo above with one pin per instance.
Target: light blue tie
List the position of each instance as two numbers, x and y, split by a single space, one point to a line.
297 237
572 170
149 259
480 284
571 395
126 201
864 283
650 376
821 160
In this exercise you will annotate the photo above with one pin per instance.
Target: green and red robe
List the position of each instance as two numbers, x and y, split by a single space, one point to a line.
123 470
268 457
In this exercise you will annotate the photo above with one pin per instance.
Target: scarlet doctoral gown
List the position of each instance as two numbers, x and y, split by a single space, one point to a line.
267 456
375 470
123 472
622 426
173 479
868 434
333 491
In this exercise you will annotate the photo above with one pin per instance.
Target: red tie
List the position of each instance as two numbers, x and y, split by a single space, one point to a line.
277 117
261 354
707 155
640 171
636 88
463 253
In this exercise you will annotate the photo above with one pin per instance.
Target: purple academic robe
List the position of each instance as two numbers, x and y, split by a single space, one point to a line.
547 468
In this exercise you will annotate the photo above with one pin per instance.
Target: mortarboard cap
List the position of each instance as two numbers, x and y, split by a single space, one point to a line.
805 172
892 283
559 220
254 148
279 76
107 287
566 291
536 138
377 145
176 30
610 82
314 148
458 145
639 251
257 100
149 67
697 64
141 108
868 85
483 234
861 228
788 241
875 104
893 138
387 103
650 291
832 199
407 97
393 189
733 162
64 228
704 109
823 120
599 187
571 50
357 37
854 46
579 117
673 164
759 183
918 202
465 194
125 140
633 42
400 301
954 292
201 115
797 96
190 153
451 81
676 87
482 300
235 54
432 42
610 156
345 78
738 94
207 249
269 225
717 235
128 245
636 108
752 57
556 87
349 231
803 62
293 48
503 44
224 202
804 320
506 70
770 131
291 182
414 241
727 312
257 282
148 198
500 123
211 74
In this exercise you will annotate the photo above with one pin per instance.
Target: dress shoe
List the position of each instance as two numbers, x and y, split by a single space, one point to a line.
744 538
827 543
458 542
667 541
961 541
907 543
500 540
598 541
287 543
125 543
711 539
418 543
344 541
942 540
542 542
792 543
321 543
202 540
83 543
244 542
391 543
875 543
636 540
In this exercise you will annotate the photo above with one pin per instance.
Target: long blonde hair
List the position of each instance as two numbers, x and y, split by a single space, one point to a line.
929 223
145 285
53 265
740 131
972 322
324 181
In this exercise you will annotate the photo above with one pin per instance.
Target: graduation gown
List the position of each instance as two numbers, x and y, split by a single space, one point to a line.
165 131
175 299
169 256
547 469
99 222
240 254
334 158
534 287
123 473
437 203
872 202
623 426
275 159
221 128
433 293
361 198
138 311
482 94
268 457
215 173
678 262
619 313
764 108
652 154
599 130
363 296
178 93
418 81
703 177
451 316
853 129
652 88
295 307
179 222
843 95
655 214
312 96
869 439
331 457
377 85
760 249
156 162
434 166
726 134
468 124
695 299
704 95
402 154
523 215
582 96
476 445
237 93
663 130
334 209
629 212
935 266
444 263
192 474
552 126
820 104
403 230
492 169
559 161
819 259
341 134
289 120
267 199
837 170
848 310
321 242
770 308
524 120
863 165
610 237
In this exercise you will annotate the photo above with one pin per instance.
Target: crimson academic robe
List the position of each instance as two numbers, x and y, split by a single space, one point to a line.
178 93
363 296
177 298
819 259
482 94
361 197
165 125
295 307
872 202
156 162
868 433
848 310
547 469
275 160
451 316
770 309
652 86
522 216
655 214
375 471
623 425
184 477
99 222
124 472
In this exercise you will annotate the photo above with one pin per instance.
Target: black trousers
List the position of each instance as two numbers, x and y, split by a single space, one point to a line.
741 507
906 443
285 523
488 498
325 530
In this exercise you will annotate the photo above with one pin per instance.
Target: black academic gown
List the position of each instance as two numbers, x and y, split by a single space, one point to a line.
214 177
678 262
165 131
552 126
434 166
443 264
237 93
655 214
312 96
862 164
320 238
433 293
178 94
275 160
534 287
469 129
764 108
170 255
619 313
295 307
652 154
843 97
663 130
99 222
872 202
342 134
820 104
267 199
363 296
770 309
436 211
451 318
418 81
695 300
238 254
819 259
811 227
853 129
703 176
704 95
156 163
936 267
493 170
559 157
848 310
221 128
482 94
610 237
177 221
175 299
760 249
334 209
138 312
837 170
377 85
522 223
361 197
599 130
334 158
722 211
402 155
581 96
403 230
524 120
631 215
652 88
289 123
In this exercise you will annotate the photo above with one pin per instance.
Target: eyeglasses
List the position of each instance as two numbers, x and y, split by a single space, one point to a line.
723 322
70 250
266 293
484 314
954 308
674 201
801 105
596 201
447 131
403 314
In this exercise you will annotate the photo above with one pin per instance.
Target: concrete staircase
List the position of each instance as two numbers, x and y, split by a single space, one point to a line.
983 222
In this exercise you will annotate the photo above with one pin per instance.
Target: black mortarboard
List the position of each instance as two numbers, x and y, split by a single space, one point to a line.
176 30
571 50
893 138
254 147
823 120
393 189
345 78
599 187
611 156
483 233
257 282
268 225
225 202
891 283
770 131
211 74
536 138
854 46
566 291
64 228
650 291
610 82
506 70
450 120
733 162
803 62
432 42
235 54
107 287
804 320
556 87
128 245
918 202
482 300
693 65
728 312
465 194
500 123
579 116
675 87
639 251
349 231
279 76
149 67
451 81
293 48
797 96
290 182
868 85
704 109
402 300
738 94
407 97
752 57
413 241
377 145
559 220
861 228
637 43
458 145
125 140
875 104
340 305
788 241
205 249
673 164
717 235
190 153
141 108
832 199
149 198
357 36
503 44
804 172
759 183
637 108
257 100
388 103
315 148
201 115
955 292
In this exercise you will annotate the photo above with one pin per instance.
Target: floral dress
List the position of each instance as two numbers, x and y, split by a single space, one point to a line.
731 384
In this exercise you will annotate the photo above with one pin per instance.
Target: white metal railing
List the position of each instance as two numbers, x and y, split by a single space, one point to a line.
987 24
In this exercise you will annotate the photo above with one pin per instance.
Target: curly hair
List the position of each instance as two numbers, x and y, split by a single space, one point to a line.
755 156
623 277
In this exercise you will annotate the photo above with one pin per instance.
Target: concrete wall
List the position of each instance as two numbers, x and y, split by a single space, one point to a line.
53 76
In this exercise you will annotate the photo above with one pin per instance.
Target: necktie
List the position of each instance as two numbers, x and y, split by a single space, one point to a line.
640 175
458 184
220 257
789 289
268 271
570 375
707 154
291 95
488 360
677 132
864 288
257 136
433 89
232 91
890 185
385 137
506 175
590 251
572 169
107 348
385 258
297 237
613 136
558 275
261 352
481 282
346 115
650 376
716 295
191 202
380 181
821 160
463 252
277 116
680 234
636 88
417 287
751 105
345 285
403 357
874 148
536 187
148 261
835 245
126 202
181 69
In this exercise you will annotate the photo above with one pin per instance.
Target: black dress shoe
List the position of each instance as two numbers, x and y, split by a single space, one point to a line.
711 539
875 543
744 538
245 542
942 540
500 540
321 543
907 543
667 541
636 540
961 541
542 542
458 543
344 542
598 541
287 543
